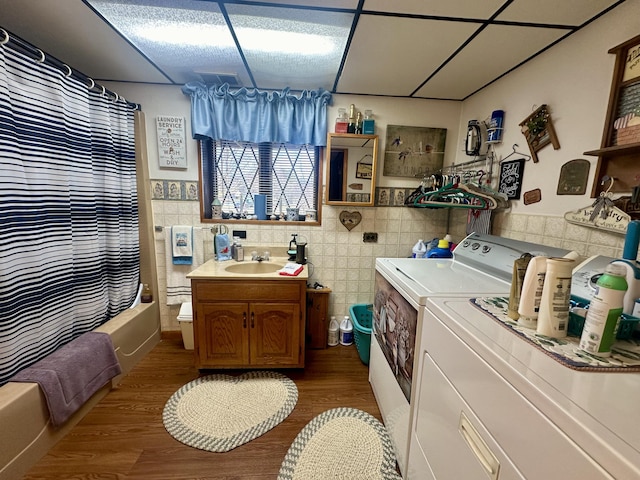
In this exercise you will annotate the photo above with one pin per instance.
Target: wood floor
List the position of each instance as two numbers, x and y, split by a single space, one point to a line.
123 436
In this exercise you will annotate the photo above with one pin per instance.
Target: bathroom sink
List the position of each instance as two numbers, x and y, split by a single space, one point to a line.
253 268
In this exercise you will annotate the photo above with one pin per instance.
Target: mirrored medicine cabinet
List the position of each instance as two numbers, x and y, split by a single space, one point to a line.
351 169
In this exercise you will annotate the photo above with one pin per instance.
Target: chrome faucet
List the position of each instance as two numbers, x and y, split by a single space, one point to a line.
260 258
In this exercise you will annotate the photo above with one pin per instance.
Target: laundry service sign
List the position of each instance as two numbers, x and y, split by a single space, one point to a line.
172 145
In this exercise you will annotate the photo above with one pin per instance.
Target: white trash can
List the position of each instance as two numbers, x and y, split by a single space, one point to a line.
185 319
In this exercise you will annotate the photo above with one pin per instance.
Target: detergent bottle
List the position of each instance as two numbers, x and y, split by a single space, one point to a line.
346 331
419 249
333 337
441 251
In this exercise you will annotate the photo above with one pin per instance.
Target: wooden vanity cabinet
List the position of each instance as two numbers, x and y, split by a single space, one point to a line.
248 324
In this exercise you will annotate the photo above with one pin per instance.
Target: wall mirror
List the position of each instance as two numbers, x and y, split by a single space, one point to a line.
351 169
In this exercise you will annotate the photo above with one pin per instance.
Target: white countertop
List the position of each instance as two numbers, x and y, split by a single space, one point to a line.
214 269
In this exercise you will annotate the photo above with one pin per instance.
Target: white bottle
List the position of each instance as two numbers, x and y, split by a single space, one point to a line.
346 331
553 316
531 293
334 332
419 249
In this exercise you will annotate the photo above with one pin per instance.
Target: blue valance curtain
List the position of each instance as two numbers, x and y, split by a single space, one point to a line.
255 116
69 241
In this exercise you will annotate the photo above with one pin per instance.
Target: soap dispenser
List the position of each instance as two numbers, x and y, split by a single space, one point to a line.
293 248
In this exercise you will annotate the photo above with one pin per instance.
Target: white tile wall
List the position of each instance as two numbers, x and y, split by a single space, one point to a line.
340 260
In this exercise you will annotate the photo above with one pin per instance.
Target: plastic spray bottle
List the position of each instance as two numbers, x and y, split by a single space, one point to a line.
603 316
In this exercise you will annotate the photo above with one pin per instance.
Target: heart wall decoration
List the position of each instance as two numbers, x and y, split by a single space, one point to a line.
350 219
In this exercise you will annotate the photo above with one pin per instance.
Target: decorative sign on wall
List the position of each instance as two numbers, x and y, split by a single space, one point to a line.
413 151
538 129
532 196
611 218
172 151
350 219
573 177
511 178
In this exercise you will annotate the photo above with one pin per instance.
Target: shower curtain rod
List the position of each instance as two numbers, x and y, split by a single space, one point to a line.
8 38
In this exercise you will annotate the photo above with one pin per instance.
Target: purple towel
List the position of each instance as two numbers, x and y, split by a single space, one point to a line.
73 373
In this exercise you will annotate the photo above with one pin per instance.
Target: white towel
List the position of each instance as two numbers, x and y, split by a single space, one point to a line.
182 243
178 285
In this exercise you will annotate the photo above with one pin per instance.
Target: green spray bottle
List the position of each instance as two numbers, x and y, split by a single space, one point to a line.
603 316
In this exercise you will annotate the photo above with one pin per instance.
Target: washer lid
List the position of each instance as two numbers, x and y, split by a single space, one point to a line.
421 278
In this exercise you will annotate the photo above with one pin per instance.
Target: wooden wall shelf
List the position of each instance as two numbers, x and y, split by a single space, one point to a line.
621 162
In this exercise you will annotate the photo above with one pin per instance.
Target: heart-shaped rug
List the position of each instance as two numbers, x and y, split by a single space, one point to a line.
350 219
341 443
218 413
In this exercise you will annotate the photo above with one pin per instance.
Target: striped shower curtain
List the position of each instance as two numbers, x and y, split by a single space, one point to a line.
69 247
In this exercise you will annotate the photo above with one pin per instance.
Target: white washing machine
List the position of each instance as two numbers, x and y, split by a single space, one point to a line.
482 265
487 404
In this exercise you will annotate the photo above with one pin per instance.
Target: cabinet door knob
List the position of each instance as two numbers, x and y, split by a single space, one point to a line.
252 323
244 320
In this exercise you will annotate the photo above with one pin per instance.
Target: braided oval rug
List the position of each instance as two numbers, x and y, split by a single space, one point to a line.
342 443
218 413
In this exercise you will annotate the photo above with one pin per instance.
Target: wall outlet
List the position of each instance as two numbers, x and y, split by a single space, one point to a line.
370 237
239 233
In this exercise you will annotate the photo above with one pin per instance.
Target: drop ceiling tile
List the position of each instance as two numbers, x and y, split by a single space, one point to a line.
182 40
449 8
565 12
476 65
287 47
397 64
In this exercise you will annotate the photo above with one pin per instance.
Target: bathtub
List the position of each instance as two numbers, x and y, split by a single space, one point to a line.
27 433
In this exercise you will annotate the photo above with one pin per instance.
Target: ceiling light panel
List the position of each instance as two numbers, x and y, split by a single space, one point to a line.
450 8
287 47
189 37
398 64
475 66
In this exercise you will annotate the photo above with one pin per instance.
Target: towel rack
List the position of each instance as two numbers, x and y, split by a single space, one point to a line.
159 228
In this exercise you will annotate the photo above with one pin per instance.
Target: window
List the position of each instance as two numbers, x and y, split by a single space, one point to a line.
234 172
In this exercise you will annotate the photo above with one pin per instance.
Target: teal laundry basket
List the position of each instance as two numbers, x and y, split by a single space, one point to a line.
361 317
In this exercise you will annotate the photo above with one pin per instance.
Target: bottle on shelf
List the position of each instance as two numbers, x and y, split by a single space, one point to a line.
342 121
359 123
494 132
368 124
351 126
146 296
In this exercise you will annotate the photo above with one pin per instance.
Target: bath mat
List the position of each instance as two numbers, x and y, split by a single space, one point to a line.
65 386
625 355
218 413
342 443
